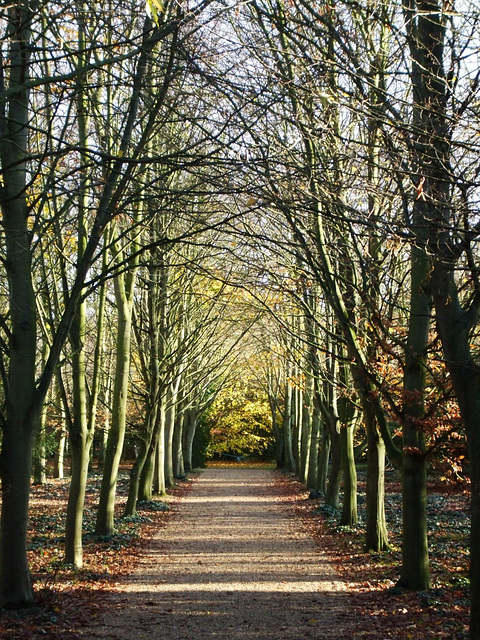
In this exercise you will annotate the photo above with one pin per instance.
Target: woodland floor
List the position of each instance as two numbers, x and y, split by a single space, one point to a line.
242 553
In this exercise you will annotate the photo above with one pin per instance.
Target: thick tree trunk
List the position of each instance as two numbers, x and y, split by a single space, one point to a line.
454 326
415 565
21 417
430 143
15 581
145 486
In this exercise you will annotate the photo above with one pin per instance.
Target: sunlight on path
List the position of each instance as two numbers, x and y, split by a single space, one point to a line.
233 563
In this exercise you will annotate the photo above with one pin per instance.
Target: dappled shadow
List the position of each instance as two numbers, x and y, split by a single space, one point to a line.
231 564
224 613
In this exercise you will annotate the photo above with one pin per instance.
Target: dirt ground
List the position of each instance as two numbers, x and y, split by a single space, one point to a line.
232 563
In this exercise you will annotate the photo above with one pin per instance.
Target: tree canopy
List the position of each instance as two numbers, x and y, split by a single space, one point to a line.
261 217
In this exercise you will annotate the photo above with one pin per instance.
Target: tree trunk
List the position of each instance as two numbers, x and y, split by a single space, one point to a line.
312 475
105 515
61 435
40 457
306 441
59 458
349 508
80 442
454 325
190 426
335 474
21 418
178 462
430 142
323 458
415 566
155 454
287 427
376 538
98 357
170 422
134 484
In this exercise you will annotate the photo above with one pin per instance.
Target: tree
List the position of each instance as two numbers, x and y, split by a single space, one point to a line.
435 176
23 406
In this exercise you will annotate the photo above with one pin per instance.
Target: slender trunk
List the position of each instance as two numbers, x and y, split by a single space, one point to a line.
297 425
170 422
59 459
287 427
124 285
178 461
312 475
135 473
106 417
190 426
349 508
279 437
40 457
61 436
155 454
376 538
105 516
306 439
95 385
323 458
80 436
80 442
335 473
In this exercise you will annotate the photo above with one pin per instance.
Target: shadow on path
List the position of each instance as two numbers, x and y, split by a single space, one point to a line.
232 564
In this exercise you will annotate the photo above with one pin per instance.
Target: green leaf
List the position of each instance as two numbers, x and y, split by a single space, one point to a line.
154 7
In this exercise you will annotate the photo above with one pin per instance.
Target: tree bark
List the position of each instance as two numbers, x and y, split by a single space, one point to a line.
190 426
124 287
415 565
287 426
21 416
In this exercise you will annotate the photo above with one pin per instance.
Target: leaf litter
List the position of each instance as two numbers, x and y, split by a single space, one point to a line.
66 598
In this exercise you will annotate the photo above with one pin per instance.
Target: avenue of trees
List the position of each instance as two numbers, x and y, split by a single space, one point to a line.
198 194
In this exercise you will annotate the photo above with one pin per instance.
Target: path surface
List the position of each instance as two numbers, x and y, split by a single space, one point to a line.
232 564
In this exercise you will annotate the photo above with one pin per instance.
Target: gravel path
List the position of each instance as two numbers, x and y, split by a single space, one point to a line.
232 564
